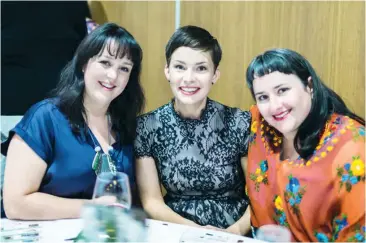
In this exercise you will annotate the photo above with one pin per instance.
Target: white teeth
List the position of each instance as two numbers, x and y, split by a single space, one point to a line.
107 85
189 89
282 115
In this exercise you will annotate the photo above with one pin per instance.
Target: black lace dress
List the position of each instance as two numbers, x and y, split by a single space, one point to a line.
198 160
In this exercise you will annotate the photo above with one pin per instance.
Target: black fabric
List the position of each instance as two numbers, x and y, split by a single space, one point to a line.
199 160
37 40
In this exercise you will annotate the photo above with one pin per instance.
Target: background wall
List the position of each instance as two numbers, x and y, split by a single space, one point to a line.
330 34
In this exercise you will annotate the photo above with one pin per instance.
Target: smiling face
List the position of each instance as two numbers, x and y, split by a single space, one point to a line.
106 76
191 74
283 101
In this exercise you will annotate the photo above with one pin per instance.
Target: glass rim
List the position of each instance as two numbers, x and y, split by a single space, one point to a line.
118 176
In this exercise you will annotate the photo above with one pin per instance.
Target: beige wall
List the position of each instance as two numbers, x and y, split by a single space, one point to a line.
330 34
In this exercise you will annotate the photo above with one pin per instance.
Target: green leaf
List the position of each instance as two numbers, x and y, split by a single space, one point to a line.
348 187
339 171
257 187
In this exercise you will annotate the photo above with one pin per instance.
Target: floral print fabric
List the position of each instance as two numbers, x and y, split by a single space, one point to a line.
321 199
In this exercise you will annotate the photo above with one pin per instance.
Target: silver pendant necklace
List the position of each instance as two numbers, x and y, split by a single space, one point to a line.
103 162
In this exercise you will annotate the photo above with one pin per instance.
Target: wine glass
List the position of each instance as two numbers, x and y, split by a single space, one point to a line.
273 233
114 185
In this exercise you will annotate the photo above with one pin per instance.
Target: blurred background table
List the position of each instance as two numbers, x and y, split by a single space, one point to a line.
158 231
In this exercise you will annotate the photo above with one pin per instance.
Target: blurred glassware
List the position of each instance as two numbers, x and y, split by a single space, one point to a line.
116 185
273 233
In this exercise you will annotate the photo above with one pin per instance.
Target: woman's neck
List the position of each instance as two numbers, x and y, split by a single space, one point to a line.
288 149
193 111
93 109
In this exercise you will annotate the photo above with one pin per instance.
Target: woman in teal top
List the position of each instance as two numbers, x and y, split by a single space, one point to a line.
49 172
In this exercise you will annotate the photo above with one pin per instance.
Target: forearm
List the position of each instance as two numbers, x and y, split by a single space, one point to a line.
243 223
41 206
160 211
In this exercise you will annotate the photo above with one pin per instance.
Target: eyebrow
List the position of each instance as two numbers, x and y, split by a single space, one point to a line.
198 63
113 58
275 87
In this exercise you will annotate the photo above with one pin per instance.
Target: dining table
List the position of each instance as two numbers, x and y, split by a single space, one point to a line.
66 230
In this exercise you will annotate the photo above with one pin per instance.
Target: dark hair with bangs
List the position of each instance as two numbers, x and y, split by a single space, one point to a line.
124 108
324 102
196 38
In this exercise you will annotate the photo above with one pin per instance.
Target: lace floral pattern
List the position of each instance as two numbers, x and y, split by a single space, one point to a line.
198 161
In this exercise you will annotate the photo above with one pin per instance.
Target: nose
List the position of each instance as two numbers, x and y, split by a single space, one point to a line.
111 74
188 76
275 104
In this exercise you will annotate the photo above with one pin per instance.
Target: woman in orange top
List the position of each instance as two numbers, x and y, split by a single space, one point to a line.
306 157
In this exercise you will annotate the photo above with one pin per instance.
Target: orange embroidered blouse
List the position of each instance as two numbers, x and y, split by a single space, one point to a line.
322 199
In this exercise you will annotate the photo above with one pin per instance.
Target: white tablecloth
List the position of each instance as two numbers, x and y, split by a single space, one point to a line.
158 231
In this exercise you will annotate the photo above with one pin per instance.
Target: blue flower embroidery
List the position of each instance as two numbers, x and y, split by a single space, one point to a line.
359 237
264 166
298 200
361 131
294 193
294 185
282 219
345 178
292 201
322 237
353 180
347 166
351 173
360 234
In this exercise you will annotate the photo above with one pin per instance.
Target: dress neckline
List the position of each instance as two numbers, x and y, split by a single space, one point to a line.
202 116
333 129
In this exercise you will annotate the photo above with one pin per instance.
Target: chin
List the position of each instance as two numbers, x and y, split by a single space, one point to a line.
189 100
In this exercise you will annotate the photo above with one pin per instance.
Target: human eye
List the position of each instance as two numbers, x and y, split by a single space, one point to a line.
262 98
125 69
201 68
282 90
105 63
179 66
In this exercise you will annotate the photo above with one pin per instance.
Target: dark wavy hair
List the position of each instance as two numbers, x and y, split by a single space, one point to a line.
124 108
324 103
195 38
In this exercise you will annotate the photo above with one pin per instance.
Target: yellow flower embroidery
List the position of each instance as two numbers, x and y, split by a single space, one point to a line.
254 127
257 171
358 167
278 203
260 178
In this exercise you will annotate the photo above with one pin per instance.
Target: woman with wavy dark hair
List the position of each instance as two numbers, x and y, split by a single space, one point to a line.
306 156
55 152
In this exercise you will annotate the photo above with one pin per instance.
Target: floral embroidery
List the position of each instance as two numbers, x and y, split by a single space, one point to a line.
357 131
260 175
351 173
280 216
321 237
338 225
253 132
360 234
294 194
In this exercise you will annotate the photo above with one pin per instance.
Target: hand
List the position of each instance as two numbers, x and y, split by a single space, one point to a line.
105 200
234 229
213 228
